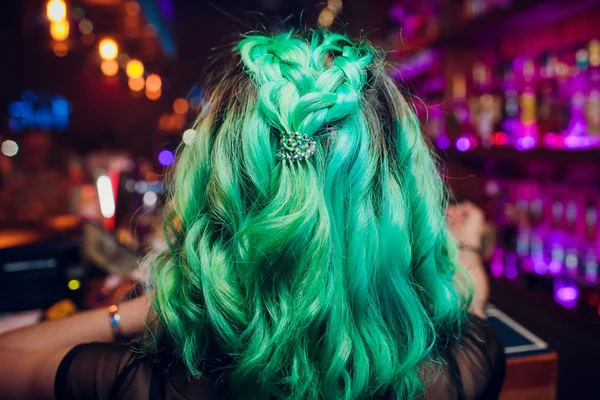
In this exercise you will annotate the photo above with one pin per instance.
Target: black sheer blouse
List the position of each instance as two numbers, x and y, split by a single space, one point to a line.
472 369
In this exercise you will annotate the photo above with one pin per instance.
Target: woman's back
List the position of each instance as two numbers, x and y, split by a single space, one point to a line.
471 369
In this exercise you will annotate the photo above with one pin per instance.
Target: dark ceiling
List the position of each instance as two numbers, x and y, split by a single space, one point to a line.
104 112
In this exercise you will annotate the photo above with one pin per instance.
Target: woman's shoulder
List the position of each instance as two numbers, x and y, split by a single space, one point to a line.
120 371
472 365
94 370
480 360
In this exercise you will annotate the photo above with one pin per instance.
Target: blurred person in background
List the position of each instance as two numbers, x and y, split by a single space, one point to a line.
308 257
34 191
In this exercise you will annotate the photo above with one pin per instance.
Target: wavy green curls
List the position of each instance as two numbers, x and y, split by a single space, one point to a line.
328 278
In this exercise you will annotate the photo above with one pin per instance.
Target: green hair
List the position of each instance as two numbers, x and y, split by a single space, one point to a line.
329 278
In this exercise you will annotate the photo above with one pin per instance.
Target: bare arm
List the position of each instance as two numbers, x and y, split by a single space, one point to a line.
472 262
29 357
87 326
467 223
29 374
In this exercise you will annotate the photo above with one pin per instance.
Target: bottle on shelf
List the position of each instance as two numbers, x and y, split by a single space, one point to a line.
555 243
506 260
593 100
483 104
562 103
461 127
572 256
547 94
524 233
510 120
577 128
528 129
590 267
536 216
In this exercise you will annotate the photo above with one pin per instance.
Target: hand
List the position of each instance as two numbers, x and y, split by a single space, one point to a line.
466 223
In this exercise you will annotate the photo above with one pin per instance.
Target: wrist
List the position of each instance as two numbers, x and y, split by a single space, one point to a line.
134 315
470 248
114 319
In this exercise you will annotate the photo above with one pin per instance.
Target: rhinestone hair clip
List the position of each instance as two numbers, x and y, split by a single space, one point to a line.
296 147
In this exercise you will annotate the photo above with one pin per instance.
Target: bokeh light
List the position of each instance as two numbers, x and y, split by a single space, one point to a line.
462 144
153 83
108 49
180 106
9 148
326 18
525 143
188 136
443 142
141 187
78 13
56 10
499 139
60 49
136 84
74 284
132 8
86 27
152 95
566 294
150 198
59 30
106 196
166 158
109 67
134 68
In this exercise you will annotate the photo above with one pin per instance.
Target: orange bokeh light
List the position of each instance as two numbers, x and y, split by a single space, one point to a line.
132 8
136 84
60 49
153 95
153 83
109 67
59 30
181 106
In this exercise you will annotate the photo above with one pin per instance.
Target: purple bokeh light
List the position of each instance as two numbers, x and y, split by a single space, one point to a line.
511 272
443 142
573 142
540 268
566 294
166 158
397 13
510 266
497 266
462 144
555 267
525 143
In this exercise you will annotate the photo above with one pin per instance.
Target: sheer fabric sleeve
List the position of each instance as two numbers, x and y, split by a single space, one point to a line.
480 361
96 370
471 368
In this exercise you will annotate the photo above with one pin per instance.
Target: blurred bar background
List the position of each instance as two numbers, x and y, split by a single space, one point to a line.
96 96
